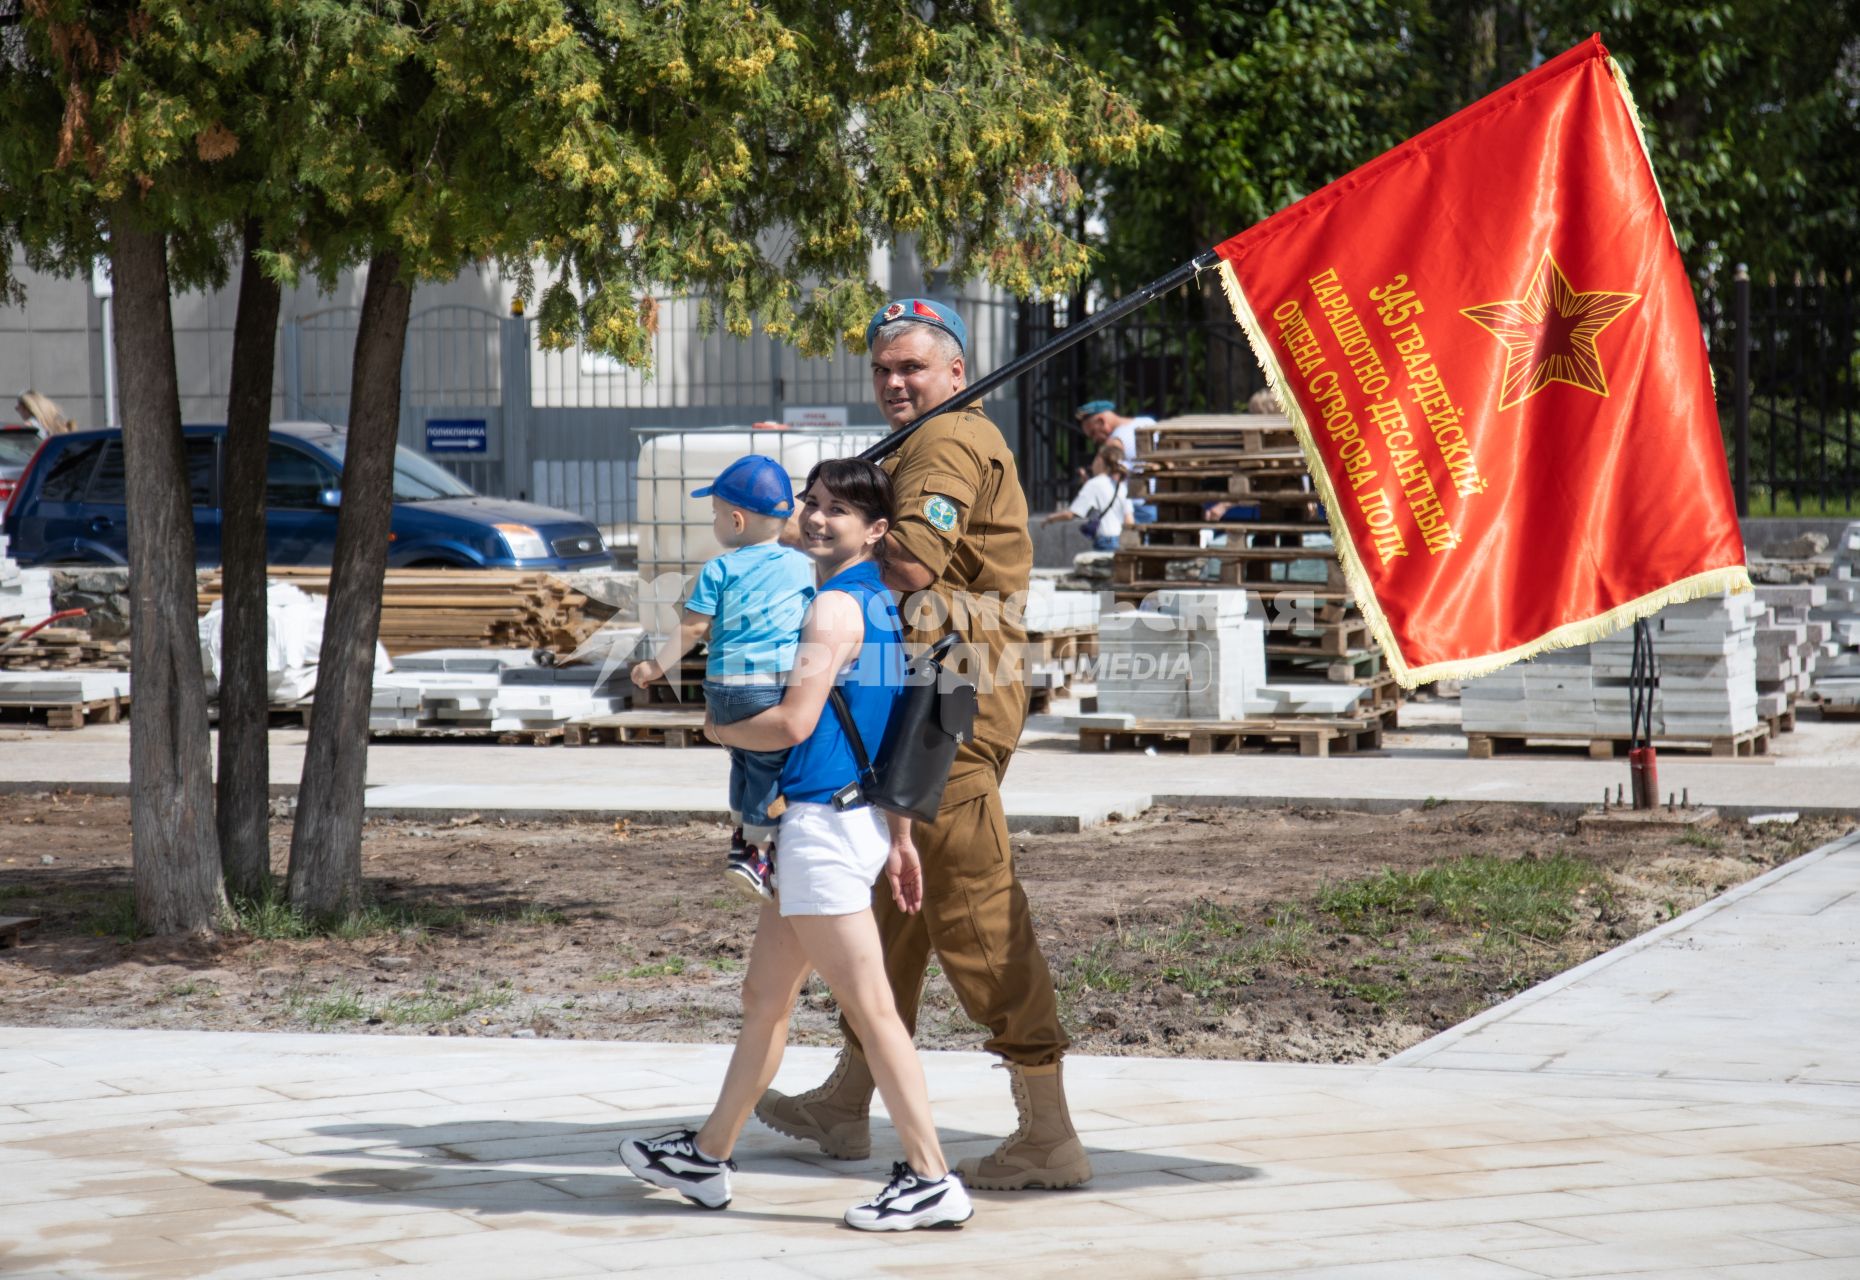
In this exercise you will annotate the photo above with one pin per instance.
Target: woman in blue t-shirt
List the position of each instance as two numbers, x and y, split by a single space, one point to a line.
821 919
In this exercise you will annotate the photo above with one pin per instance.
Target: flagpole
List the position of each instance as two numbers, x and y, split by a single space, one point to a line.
1067 337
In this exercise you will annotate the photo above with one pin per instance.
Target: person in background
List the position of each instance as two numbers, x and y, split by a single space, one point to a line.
42 411
1102 425
1103 504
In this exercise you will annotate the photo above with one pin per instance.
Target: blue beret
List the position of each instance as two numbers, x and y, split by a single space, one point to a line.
1090 407
923 311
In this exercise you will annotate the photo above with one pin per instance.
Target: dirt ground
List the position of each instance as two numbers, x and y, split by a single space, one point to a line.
1283 935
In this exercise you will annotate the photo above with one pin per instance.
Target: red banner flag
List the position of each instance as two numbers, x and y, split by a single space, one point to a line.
1487 343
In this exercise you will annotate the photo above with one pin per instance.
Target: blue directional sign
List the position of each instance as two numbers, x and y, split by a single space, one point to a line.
457 435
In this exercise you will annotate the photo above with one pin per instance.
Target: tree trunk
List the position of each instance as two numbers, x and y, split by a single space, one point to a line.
245 750
326 843
176 854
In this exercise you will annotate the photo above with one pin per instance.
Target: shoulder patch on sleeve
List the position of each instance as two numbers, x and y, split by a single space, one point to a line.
940 512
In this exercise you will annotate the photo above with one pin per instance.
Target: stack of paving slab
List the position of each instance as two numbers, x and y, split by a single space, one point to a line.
1062 637
491 690
1789 646
1051 609
1837 673
51 689
1707 655
24 593
1198 655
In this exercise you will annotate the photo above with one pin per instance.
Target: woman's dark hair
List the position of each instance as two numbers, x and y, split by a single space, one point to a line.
861 485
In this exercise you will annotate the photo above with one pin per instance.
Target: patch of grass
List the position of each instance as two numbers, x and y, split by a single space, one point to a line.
536 913
1097 969
670 967
1702 840
8 892
273 917
1379 994
1287 939
269 918
433 1005
341 1003
1200 978
113 915
376 919
1510 900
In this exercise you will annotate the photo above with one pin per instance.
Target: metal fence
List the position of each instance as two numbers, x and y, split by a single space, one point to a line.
482 398
1786 360
1181 354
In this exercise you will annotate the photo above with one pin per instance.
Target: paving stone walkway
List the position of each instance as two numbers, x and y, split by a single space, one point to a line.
1687 1106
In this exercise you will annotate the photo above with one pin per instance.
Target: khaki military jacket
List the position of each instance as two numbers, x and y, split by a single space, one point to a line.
961 512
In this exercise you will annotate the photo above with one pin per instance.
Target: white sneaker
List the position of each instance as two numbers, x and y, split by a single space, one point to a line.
673 1161
910 1201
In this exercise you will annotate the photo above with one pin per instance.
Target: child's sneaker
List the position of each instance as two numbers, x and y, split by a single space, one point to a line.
910 1201
672 1161
748 872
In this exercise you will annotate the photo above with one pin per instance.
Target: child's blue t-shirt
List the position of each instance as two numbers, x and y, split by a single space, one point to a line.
756 598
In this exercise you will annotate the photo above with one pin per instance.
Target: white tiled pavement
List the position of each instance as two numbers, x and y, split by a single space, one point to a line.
1686 1107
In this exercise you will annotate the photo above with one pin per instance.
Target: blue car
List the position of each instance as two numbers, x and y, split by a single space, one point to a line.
69 508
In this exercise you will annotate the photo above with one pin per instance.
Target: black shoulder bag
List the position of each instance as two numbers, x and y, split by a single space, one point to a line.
1089 526
936 713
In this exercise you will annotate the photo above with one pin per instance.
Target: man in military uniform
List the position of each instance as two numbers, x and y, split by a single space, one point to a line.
959 551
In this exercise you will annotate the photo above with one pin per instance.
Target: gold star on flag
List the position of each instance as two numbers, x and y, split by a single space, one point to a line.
1549 334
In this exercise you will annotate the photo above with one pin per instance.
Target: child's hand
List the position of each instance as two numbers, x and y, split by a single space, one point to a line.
644 673
905 872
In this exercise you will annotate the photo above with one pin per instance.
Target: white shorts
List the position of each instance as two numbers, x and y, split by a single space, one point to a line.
827 859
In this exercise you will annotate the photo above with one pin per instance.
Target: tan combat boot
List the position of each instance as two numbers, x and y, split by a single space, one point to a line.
836 1115
1045 1151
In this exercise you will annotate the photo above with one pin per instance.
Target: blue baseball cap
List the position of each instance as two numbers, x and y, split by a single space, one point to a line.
923 311
754 483
1090 407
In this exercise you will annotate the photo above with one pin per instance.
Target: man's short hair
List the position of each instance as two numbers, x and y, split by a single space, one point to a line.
944 343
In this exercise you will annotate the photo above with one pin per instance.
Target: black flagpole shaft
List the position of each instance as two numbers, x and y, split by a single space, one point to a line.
1070 335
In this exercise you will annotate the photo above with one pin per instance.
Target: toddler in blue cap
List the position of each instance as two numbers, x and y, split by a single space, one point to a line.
749 603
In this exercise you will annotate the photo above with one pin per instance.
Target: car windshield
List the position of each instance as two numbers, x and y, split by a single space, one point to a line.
415 478
17 447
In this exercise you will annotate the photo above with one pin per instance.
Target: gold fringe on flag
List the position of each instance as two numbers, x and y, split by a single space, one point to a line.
1732 579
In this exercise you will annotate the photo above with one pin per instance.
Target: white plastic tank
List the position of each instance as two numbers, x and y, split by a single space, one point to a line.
674 529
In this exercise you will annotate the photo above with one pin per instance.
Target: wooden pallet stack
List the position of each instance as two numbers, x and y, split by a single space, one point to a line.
1252 462
425 609
60 649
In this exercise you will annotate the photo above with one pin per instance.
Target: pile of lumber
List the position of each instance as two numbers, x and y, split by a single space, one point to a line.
425 609
60 649
1272 541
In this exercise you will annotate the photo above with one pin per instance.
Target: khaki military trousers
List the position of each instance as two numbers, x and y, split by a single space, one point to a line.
975 918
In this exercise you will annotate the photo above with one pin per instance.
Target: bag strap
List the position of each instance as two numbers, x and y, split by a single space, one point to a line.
866 776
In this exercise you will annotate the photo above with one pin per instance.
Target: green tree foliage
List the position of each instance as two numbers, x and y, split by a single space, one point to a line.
1264 101
1751 109
753 152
